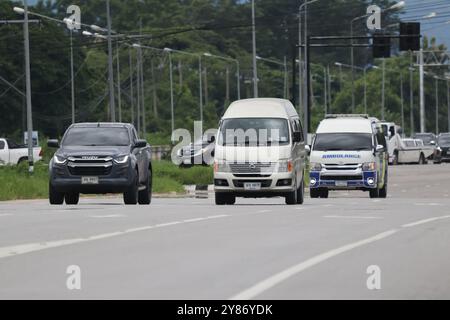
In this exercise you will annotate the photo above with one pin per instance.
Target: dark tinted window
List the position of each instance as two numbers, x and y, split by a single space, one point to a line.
13 145
343 141
426 138
2 145
97 136
444 140
257 131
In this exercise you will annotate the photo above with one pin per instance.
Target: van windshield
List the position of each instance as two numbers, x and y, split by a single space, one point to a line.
343 142
254 132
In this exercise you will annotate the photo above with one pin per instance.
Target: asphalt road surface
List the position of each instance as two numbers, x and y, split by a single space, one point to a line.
257 249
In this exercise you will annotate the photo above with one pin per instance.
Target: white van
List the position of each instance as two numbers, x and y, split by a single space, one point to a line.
349 152
259 152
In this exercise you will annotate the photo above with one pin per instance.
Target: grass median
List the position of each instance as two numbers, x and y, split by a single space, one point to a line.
17 183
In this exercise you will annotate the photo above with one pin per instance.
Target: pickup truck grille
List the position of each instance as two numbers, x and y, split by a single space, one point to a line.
90 166
240 183
336 177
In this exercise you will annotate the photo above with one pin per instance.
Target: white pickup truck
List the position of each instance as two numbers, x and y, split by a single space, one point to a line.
12 153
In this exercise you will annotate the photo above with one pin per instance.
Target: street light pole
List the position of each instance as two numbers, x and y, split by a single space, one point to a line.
119 97
365 90
255 71
402 102
72 77
112 107
422 93
411 96
28 89
171 91
437 104
382 89
131 86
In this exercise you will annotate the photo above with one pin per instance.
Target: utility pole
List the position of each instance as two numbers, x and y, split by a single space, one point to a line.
227 85
72 77
28 88
112 107
255 71
329 88
119 95
422 92
172 125
138 91
144 122
206 84
131 87
411 96
383 89
200 88
365 90
437 104
155 99
325 95
402 103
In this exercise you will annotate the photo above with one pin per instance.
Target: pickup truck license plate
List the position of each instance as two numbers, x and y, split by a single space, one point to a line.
252 185
341 183
89 180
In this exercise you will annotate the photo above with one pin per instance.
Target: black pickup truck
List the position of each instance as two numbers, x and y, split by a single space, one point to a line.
100 158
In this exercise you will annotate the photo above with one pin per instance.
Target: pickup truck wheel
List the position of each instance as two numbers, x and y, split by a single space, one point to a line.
131 195
145 195
374 193
54 196
231 199
72 198
24 159
220 198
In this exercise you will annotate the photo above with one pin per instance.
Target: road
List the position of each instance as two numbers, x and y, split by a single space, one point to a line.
258 249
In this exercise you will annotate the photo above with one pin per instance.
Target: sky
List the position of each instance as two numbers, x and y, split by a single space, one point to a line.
416 9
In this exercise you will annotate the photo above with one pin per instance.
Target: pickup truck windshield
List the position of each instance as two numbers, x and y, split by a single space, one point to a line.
444 141
254 131
96 136
343 142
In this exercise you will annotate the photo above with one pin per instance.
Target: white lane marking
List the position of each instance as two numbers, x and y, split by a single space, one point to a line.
270 282
413 224
263 211
428 204
32 247
5 214
193 220
108 216
353 217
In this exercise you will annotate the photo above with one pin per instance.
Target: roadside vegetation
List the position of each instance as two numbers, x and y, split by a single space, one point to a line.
17 183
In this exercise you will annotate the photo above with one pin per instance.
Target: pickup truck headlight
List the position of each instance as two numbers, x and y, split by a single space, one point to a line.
121 159
285 166
221 166
59 159
315 166
369 166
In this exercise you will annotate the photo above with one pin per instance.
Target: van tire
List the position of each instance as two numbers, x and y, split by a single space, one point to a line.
301 193
291 197
314 193
72 198
55 197
324 193
220 198
230 199
374 193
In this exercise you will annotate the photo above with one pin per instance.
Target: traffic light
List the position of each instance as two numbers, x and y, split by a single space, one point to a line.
409 36
381 45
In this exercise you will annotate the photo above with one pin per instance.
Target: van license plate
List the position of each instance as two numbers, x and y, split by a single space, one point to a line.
89 180
252 185
341 183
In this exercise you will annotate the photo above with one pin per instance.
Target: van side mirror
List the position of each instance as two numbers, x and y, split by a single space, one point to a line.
297 136
433 143
53 143
211 139
140 143
308 149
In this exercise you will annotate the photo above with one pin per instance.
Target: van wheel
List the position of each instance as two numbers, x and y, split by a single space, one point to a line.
130 196
145 196
314 193
72 198
324 193
291 197
301 193
374 193
54 196
230 199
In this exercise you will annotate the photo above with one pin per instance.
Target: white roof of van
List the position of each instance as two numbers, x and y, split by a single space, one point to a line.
341 125
261 108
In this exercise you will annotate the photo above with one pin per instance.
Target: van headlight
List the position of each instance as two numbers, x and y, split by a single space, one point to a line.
369 166
285 166
59 159
221 166
121 159
315 166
